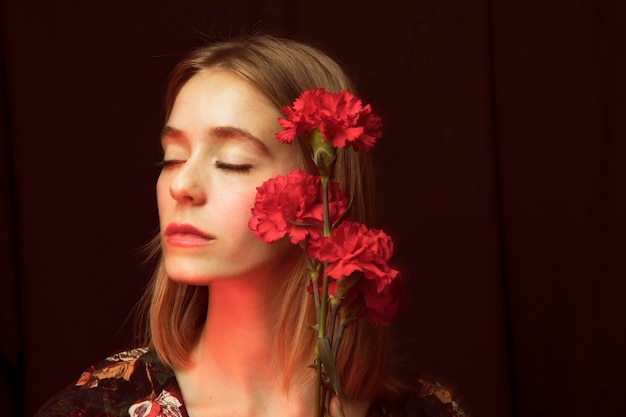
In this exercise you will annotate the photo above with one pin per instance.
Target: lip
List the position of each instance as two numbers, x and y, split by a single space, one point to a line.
186 235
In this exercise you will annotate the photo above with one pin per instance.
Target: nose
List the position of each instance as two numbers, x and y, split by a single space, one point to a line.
188 184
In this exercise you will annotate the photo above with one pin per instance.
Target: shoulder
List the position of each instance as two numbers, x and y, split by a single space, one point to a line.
420 398
123 382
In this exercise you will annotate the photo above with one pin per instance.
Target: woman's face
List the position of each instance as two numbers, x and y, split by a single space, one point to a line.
218 146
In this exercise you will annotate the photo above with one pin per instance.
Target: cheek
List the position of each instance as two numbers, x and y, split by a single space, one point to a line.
236 205
162 194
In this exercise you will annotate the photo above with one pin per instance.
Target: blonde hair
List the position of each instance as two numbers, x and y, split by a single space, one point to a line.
281 69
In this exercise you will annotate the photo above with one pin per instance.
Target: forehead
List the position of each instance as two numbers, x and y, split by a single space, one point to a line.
220 98
223 87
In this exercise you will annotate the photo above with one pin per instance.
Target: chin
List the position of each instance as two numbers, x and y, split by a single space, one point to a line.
198 275
183 274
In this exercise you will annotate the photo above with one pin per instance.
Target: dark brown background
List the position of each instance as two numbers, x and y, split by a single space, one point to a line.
501 176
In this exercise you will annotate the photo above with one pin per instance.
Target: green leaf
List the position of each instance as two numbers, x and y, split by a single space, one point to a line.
325 356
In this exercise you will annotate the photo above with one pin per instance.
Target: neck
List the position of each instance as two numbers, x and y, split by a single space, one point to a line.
232 369
238 335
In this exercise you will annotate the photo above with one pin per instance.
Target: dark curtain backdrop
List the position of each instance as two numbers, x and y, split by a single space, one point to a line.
501 176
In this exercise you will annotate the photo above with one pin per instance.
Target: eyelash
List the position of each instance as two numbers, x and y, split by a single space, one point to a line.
244 169
166 163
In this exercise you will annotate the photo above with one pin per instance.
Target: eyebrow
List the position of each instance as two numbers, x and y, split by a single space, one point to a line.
223 132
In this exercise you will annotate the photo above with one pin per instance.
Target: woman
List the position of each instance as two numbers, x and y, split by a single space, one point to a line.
242 346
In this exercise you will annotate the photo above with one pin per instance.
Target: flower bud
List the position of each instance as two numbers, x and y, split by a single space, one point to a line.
323 153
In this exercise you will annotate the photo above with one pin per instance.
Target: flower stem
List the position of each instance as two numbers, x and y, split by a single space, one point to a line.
331 327
320 392
321 331
318 389
313 276
338 338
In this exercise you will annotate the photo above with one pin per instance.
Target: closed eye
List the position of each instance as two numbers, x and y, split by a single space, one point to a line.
168 162
243 168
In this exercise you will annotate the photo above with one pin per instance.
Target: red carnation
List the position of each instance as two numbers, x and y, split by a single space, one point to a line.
354 250
354 247
341 118
381 306
294 205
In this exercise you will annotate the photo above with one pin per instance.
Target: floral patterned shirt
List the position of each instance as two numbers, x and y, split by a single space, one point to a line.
136 383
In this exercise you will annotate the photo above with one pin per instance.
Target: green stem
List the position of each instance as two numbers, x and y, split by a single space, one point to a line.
320 393
321 331
318 389
333 316
314 275
338 338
